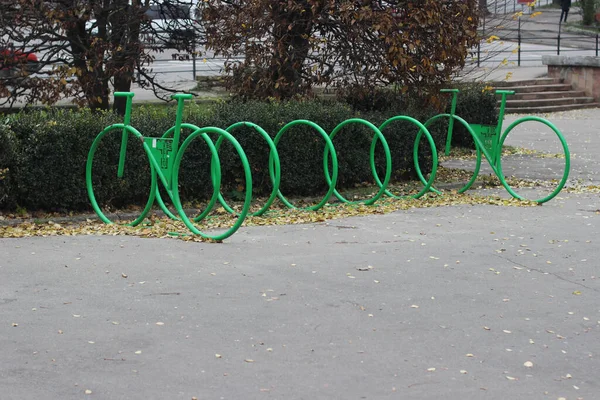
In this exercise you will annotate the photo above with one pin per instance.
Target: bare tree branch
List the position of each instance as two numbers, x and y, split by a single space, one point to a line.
85 48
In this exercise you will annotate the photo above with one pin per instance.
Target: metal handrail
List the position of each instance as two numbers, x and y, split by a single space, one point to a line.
584 41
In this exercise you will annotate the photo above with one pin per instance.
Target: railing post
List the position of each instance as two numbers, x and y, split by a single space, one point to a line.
519 44
483 30
596 45
194 57
479 43
558 41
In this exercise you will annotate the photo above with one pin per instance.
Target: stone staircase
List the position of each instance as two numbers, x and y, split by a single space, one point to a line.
544 95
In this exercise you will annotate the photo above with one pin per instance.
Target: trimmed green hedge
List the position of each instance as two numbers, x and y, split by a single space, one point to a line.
43 153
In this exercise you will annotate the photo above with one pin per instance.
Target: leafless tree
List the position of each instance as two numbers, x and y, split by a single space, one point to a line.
86 48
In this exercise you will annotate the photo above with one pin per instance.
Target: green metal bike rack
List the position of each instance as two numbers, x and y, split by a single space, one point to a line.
165 155
489 140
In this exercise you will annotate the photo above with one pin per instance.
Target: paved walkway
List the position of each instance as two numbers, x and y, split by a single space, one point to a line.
458 302
454 302
539 34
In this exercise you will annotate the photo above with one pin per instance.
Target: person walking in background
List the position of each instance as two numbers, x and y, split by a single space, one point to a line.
565 5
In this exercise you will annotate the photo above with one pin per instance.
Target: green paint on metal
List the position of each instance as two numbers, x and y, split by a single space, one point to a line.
422 131
329 153
165 156
488 137
274 167
451 122
162 151
127 119
489 141
388 161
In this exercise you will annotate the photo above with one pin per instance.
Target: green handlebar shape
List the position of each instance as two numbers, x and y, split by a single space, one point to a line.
449 90
184 96
124 94
505 92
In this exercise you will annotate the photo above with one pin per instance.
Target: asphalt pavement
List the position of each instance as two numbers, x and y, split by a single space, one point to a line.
455 302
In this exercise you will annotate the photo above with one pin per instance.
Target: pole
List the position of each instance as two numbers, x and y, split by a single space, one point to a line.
558 41
479 44
483 33
194 56
519 43
596 45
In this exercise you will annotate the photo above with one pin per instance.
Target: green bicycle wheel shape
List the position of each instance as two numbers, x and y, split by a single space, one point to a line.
334 169
565 148
216 179
214 160
274 167
89 175
388 161
477 151
422 130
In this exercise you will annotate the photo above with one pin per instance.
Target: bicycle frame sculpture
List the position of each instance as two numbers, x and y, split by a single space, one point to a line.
489 140
165 155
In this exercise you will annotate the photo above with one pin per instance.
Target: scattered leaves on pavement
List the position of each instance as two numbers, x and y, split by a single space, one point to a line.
156 226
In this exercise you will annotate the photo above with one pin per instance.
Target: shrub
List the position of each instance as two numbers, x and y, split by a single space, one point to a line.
7 156
476 105
589 11
301 147
46 169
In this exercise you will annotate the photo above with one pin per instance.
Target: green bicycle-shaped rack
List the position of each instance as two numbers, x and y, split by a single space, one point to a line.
165 155
489 141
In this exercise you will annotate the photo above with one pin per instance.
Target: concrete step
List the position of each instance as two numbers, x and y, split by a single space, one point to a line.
549 102
555 87
549 109
528 82
546 95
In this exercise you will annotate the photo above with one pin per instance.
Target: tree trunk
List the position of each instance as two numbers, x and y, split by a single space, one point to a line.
125 38
291 36
483 10
88 62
